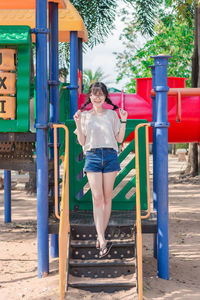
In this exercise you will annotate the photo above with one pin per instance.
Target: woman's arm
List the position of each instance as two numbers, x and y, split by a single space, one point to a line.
80 136
120 136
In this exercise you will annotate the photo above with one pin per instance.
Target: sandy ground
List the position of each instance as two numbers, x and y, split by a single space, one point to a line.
18 249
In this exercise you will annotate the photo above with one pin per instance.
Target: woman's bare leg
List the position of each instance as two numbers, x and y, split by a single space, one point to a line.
108 182
96 184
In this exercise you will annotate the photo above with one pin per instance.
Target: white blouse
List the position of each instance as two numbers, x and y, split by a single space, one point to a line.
100 129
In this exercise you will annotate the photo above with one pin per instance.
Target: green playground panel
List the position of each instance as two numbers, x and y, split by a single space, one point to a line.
64 113
81 198
19 38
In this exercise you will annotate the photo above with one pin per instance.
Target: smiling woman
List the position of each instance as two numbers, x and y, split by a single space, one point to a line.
98 131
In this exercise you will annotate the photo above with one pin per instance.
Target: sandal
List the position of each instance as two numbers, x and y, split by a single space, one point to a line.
105 250
97 244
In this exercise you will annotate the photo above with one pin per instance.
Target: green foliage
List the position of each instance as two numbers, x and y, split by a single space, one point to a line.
145 15
171 38
89 77
184 10
182 146
98 17
64 60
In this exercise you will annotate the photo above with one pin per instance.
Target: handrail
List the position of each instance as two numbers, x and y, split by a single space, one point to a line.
138 211
55 126
147 172
64 226
122 100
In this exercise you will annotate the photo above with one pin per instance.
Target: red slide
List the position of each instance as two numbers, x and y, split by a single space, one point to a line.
139 106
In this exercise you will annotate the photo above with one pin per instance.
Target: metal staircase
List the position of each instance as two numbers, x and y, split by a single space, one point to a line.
114 272
79 263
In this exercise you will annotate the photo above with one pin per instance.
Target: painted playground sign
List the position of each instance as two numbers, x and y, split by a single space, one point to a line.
15 57
7 83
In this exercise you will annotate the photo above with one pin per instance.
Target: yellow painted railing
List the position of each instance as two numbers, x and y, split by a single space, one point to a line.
64 227
147 170
138 209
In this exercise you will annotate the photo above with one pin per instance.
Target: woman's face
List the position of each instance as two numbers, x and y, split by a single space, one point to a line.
97 99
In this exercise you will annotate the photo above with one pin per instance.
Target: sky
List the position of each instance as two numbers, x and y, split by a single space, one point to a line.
102 56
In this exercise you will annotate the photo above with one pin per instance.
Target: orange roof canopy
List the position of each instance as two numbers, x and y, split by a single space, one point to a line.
27 4
68 19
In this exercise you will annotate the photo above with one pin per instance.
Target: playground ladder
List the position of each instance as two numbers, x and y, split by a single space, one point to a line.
114 272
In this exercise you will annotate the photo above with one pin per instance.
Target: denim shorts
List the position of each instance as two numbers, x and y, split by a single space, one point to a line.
102 160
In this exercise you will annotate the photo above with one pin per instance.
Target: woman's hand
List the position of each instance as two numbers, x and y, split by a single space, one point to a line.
77 117
121 134
80 135
123 114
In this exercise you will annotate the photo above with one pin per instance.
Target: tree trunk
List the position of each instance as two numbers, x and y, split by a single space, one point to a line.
174 149
193 167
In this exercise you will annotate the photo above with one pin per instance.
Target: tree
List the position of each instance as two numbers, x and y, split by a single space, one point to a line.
187 11
170 38
99 16
193 167
190 11
64 60
89 77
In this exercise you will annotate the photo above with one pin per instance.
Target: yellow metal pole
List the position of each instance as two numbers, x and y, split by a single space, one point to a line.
138 207
147 172
56 171
138 219
64 227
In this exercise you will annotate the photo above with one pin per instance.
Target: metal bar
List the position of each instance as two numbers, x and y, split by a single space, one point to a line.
80 68
53 94
138 219
184 91
64 227
147 172
161 88
154 139
56 171
7 196
73 73
178 108
42 140
155 244
122 100
80 56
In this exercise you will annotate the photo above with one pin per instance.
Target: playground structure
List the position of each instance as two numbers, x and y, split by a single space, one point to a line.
139 106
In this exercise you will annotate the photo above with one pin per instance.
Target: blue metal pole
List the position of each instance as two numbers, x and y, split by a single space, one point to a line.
7 196
161 127
154 140
80 55
80 67
154 157
42 137
73 73
53 92
80 59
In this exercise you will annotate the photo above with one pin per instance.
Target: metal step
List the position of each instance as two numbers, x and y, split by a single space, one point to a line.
103 284
87 250
123 220
102 268
115 271
88 232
